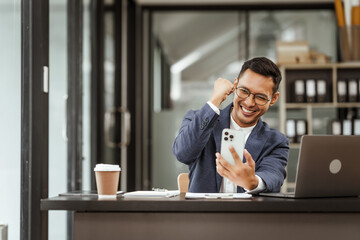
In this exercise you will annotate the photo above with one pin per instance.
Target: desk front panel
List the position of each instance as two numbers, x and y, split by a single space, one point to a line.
205 225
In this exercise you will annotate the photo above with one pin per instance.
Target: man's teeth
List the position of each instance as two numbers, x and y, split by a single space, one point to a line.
247 111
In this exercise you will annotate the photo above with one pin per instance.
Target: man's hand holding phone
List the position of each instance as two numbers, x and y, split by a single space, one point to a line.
241 174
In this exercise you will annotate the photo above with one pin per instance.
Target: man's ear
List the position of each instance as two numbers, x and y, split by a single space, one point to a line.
274 98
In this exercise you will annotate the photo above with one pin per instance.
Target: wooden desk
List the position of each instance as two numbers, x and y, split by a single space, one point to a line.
177 218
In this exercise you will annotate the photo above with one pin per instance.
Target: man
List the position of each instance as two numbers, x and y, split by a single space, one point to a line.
266 150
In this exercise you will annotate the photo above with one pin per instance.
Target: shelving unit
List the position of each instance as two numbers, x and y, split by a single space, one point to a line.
328 72
314 71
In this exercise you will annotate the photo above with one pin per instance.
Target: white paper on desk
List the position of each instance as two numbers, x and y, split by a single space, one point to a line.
191 195
151 194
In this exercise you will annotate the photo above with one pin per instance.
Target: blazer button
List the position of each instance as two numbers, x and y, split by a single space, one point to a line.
206 120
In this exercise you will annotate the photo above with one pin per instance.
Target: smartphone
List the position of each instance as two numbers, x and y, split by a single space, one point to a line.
234 138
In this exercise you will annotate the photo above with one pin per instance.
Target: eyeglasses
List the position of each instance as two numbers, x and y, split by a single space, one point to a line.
260 99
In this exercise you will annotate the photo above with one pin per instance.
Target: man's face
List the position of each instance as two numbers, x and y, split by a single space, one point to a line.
246 112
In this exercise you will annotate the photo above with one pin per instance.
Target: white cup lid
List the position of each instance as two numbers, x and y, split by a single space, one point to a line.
107 167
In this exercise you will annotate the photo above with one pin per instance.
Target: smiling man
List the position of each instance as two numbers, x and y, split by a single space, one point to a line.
266 150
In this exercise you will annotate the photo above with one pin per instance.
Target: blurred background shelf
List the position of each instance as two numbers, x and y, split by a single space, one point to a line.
316 117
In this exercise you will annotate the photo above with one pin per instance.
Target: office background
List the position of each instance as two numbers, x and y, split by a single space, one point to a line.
195 45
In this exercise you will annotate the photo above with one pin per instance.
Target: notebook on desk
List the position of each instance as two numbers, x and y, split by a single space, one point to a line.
328 166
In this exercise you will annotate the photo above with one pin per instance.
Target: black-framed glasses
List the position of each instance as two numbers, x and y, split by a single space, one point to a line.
260 99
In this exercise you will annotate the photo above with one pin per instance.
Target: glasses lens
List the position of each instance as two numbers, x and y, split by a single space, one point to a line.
260 100
242 93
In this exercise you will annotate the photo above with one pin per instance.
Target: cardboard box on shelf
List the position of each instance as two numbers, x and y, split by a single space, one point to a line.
292 52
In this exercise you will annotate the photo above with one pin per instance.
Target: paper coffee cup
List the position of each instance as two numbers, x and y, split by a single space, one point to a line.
107 180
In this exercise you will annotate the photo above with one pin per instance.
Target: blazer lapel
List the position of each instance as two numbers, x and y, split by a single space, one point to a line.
224 122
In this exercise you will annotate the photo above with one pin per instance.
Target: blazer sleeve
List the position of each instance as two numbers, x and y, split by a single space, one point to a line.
194 133
272 167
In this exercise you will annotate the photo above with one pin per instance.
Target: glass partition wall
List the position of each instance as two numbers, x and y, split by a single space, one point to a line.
58 97
10 105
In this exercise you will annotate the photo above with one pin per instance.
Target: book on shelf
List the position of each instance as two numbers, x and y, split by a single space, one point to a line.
301 129
353 90
356 126
346 127
291 130
336 127
310 90
321 90
299 90
341 90
295 129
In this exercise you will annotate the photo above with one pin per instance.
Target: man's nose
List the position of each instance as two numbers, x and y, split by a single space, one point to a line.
250 100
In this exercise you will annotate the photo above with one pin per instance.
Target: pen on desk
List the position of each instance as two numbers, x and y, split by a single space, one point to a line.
159 189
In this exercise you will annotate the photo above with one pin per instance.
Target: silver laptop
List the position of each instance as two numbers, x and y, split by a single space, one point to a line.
328 166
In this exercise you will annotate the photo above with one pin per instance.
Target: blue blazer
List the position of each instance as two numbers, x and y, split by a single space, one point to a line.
199 139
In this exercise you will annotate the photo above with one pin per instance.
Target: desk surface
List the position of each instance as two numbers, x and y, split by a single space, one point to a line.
180 204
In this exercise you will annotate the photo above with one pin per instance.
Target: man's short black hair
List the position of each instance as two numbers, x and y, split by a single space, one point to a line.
265 67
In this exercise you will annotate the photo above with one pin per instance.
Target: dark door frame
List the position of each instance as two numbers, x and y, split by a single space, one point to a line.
34 118
97 85
74 103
